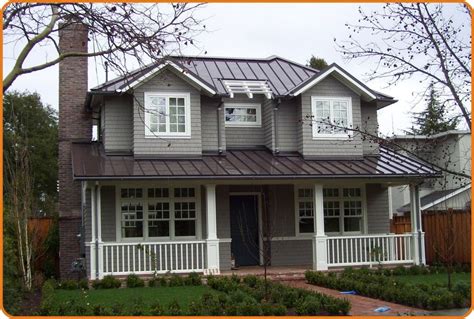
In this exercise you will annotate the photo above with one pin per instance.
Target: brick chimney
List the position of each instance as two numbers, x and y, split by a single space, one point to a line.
74 124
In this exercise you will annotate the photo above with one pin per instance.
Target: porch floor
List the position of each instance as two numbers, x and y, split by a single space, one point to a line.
361 306
274 272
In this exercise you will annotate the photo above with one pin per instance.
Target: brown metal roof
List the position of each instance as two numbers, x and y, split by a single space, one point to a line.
91 162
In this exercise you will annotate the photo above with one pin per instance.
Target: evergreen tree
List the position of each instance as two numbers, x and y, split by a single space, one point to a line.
434 119
317 63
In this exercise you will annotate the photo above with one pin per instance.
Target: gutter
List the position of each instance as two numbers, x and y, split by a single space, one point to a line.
219 136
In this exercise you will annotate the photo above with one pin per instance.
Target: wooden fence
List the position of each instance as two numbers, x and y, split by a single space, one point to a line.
438 241
39 229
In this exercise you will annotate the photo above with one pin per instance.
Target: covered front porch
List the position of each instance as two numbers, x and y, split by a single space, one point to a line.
156 227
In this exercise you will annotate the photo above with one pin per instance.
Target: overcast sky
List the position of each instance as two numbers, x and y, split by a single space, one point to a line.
292 31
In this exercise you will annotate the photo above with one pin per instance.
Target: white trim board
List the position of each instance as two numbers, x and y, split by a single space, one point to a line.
337 70
157 69
444 198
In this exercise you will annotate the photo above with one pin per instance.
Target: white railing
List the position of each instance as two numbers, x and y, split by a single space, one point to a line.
370 249
150 258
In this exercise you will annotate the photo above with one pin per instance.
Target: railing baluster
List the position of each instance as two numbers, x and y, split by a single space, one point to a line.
166 257
181 254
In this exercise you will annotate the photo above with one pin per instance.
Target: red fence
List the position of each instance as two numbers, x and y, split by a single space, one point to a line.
447 234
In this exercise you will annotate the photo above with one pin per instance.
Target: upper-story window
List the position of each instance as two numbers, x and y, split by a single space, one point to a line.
243 115
167 114
331 115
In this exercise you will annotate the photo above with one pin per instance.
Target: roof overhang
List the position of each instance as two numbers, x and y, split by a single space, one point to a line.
444 198
182 71
342 76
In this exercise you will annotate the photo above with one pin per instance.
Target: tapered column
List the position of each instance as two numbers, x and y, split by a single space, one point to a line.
212 242
319 238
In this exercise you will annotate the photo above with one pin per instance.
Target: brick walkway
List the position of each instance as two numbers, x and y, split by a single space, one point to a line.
361 306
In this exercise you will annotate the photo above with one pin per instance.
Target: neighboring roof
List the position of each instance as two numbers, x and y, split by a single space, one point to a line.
435 198
427 137
90 162
284 77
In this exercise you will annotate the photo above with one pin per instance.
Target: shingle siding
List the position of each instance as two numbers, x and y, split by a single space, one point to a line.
268 123
378 219
166 81
330 87
118 124
288 126
108 213
292 252
370 126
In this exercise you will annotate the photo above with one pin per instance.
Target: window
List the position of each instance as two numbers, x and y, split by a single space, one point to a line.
242 115
167 114
331 116
305 211
343 211
163 212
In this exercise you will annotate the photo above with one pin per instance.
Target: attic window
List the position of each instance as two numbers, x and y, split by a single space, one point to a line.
247 87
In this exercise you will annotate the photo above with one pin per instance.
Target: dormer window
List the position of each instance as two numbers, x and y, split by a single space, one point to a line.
331 116
167 114
243 115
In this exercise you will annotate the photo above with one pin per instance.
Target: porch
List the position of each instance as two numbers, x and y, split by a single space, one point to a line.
191 227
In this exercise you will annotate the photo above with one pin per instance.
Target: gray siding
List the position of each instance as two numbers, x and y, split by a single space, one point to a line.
209 124
330 87
118 124
292 252
282 210
167 81
369 125
245 136
108 210
87 217
288 126
268 124
378 219
224 256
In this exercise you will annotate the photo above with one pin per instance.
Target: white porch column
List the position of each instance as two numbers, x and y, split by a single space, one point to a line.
418 245
92 247
212 242
319 239
99 232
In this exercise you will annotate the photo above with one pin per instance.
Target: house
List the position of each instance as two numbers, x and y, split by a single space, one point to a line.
196 156
450 150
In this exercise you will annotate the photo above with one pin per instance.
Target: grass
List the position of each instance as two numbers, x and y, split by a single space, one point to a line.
441 278
109 297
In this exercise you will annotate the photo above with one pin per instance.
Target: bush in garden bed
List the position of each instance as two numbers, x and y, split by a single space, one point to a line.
381 284
107 282
133 281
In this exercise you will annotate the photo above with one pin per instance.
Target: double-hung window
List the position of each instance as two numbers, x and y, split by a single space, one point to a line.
331 116
305 210
343 210
167 114
243 115
158 212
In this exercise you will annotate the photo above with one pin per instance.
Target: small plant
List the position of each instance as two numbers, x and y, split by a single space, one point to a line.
133 281
68 285
309 306
176 280
156 309
107 282
83 284
193 279
174 309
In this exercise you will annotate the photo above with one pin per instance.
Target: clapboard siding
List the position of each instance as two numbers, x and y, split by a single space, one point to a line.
245 136
378 219
282 210
288 126
167 81
370 126
292 252
108 213
268 124
330 87
224 256
209 127
118 124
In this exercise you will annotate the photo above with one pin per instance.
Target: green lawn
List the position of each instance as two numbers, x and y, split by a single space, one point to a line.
441 278
110 297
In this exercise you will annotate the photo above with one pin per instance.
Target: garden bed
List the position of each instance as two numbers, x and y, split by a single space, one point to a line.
427 291
176 295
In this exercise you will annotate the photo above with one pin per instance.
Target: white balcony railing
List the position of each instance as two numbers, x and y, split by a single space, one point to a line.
370 249
151 257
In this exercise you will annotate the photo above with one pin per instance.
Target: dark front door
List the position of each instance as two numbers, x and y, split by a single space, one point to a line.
244 229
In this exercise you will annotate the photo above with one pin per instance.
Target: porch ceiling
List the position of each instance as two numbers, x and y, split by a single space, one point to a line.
90 162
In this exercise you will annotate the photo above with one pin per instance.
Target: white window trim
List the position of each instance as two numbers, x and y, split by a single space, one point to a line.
167 95
324 136
363 197
171 200
256 106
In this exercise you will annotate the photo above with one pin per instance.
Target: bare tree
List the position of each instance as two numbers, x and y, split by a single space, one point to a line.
417 39
121 34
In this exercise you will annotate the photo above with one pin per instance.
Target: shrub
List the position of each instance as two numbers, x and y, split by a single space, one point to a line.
309 306
107 282
83 284
250 280
158 282
156 309
174 309
47 297
193 279
176 280
68 285
136 307
133 281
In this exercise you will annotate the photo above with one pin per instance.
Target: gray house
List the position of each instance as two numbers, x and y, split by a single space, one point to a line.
201 162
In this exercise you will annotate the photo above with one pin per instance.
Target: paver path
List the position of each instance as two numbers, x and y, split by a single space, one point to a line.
361 306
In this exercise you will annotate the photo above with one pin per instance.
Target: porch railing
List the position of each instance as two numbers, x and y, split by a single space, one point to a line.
150 258
370 249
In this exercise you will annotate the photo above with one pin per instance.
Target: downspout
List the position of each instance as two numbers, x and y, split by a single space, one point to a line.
219 137
275 125
96 221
